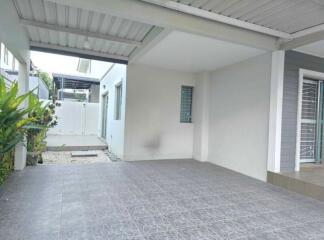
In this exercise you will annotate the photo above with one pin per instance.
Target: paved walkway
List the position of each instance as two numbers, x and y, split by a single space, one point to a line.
153 200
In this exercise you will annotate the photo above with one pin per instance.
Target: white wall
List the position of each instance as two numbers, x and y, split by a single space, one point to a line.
201 102
153 128
76 118
239 116
115 128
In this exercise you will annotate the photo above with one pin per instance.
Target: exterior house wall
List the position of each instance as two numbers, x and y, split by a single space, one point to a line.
115 128
230 115
293 62
239 100
12 62
153 129
35 83
42 91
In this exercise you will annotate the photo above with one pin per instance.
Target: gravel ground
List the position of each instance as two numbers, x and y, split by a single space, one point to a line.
64 157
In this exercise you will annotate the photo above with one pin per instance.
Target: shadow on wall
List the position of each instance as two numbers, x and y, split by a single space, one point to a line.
153 145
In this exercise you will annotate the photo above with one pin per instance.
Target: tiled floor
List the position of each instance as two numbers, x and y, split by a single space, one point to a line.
153 200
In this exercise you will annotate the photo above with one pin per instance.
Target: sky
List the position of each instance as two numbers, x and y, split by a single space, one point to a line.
54 63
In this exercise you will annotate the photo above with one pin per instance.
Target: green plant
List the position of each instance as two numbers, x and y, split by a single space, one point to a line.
44 115
13 119
6 165
47 80
13 122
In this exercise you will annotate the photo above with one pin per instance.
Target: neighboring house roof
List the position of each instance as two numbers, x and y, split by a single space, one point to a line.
74 82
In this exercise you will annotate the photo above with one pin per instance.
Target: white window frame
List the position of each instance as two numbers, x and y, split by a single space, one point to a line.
117 104
303 73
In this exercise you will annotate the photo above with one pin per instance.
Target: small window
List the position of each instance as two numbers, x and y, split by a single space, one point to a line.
118 102
186 104
6 56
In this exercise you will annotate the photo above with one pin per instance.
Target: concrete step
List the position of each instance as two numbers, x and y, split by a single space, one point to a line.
295 183
74 143
75 148
84 154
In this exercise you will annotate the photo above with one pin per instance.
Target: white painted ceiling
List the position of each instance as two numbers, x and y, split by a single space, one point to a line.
316 49
193 53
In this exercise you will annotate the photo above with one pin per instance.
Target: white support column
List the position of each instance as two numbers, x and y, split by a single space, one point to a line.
201 98
23 87
275 115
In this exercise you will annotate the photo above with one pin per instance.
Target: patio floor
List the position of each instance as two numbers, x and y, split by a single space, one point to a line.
308 181
176 199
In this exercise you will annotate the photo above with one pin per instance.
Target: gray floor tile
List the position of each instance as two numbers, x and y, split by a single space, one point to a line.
152 200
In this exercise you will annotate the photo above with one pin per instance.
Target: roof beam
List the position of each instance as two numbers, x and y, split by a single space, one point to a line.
219 18
11 33
151 40
82 53
77 31
167 18
303 40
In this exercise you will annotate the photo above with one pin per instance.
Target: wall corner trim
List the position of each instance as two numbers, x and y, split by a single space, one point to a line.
275 113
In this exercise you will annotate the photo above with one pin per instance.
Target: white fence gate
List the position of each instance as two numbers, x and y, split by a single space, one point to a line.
76 118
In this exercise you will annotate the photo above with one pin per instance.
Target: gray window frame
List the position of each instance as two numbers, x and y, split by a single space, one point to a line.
186 107
118 100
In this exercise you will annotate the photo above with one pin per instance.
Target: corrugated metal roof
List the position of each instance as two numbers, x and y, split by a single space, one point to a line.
289 16
66 16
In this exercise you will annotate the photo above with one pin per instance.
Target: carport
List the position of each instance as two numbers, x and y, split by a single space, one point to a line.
205 177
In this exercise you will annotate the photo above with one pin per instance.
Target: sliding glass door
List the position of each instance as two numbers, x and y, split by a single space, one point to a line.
311 129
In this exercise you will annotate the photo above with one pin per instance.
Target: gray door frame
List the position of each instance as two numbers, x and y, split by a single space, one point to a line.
104 114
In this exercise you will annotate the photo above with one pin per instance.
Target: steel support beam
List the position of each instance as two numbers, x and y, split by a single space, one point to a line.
82 53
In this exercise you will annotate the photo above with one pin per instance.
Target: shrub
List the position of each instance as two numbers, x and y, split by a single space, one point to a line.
13 122
36 134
